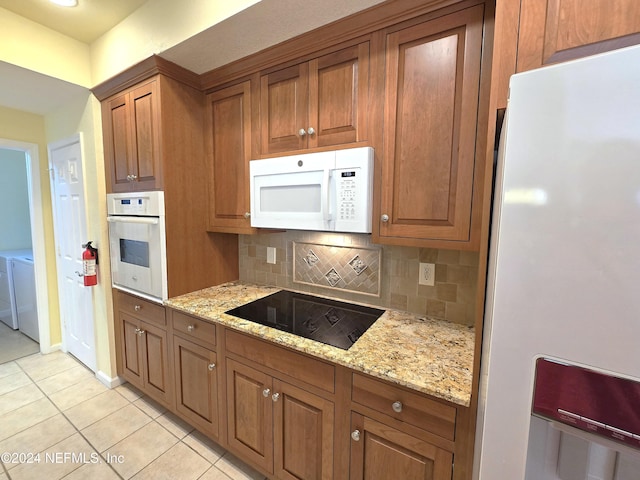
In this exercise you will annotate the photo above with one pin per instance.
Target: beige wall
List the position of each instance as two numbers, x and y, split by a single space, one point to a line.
154 27
30 45
26 127
82 115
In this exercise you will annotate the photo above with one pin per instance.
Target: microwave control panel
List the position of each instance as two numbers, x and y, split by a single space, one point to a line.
347 194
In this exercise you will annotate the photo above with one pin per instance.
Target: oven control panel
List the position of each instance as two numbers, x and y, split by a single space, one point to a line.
590 400
142 204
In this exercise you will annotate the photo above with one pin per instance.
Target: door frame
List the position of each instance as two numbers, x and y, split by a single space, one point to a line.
34 190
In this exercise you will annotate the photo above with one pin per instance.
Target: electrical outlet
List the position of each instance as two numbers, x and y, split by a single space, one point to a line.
427 275
271 255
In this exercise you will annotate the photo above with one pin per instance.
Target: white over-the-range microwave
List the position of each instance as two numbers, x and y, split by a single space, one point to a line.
325 191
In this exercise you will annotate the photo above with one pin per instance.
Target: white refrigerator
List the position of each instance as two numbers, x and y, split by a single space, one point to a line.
564 277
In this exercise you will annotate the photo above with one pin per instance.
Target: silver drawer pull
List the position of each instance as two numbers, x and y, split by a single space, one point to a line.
397 407
211 366
137 308
356 435
191 328
275 397
266 392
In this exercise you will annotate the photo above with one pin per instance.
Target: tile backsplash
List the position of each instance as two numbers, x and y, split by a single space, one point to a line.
351 268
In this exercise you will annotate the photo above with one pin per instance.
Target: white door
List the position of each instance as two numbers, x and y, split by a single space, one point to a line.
70 227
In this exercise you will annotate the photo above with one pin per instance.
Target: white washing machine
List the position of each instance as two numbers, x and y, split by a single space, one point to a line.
8 312
24 285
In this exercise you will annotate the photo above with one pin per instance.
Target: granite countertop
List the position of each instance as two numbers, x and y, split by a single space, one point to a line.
425 354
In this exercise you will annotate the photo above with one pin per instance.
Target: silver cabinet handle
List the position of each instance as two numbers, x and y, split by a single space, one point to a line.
247 215
139 332
191 328
266 392
311 130
384 218
356 435
275 397
302 132
397 406
137 308
211 366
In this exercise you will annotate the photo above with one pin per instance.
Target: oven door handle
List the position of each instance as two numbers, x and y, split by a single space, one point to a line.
143 220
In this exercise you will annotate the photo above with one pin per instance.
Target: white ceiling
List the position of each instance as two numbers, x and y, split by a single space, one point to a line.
264 24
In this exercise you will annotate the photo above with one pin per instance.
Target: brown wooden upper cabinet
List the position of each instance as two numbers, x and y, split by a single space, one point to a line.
317 103
228 133
554 31
430 117
131 128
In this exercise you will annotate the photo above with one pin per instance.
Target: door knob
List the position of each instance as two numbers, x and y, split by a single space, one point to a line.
384 218
397 406
275 397
302 132
211 366
311 130
356 435
247 215
266 392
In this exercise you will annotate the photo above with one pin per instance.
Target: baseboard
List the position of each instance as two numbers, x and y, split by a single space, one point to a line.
50 348
108 381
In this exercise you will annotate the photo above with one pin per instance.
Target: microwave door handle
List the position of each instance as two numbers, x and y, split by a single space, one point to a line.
143 220
326 196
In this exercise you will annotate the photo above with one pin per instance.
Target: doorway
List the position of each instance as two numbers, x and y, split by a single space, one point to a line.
36 224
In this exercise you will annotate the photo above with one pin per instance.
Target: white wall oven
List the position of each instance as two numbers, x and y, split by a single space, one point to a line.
137 241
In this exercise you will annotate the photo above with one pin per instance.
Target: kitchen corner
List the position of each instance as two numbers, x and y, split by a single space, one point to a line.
422 353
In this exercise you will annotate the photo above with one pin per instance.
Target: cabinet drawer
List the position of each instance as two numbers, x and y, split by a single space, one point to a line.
142 309
303 368
193 328
414 408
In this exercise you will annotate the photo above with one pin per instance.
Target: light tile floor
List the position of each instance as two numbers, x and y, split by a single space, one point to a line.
58 421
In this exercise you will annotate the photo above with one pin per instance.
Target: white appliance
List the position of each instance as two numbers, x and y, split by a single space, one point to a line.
24 284
8 313
326 191
137 242
564 274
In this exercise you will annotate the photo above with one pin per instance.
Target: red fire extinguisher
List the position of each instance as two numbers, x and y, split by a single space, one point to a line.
89 263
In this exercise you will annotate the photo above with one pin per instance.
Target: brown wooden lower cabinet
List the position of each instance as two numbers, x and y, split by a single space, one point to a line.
284 429
196 375
379 451
145 358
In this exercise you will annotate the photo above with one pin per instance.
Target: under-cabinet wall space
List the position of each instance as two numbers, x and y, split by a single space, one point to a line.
388 274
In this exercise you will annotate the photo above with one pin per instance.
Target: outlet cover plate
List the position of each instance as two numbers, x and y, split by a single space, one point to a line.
271 255
427 274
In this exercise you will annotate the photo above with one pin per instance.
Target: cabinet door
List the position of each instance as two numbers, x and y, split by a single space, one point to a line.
155 351
250 413
145 136
196 384
229 147
381 451
284 102
303 434
131 349
117 142
558 30
338 92
431 103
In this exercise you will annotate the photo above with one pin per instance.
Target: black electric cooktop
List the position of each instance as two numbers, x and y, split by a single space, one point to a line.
332 322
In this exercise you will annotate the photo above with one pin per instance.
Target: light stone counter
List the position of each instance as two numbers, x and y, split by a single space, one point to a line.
422 353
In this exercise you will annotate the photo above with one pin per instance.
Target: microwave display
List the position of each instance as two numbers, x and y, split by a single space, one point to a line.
134 252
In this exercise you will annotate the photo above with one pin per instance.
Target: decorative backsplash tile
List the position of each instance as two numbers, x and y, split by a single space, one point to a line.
379 275
347 268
